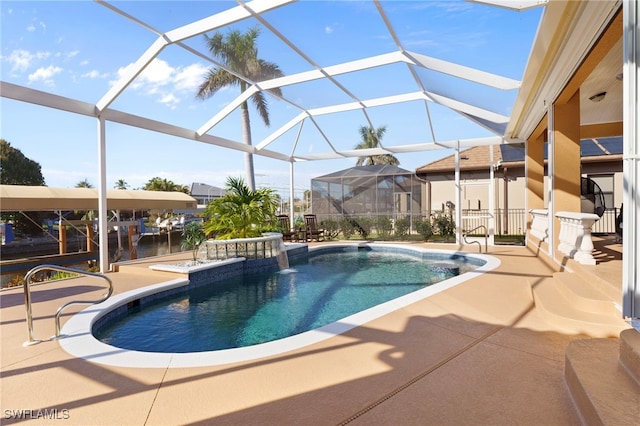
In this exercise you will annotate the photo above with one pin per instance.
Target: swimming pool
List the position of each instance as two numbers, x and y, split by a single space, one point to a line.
283 297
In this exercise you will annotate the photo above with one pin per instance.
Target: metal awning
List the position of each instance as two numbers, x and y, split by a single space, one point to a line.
43 198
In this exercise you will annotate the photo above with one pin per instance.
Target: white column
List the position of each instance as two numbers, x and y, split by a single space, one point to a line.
458 196
492 199
102 197
631 159
550 174
291 208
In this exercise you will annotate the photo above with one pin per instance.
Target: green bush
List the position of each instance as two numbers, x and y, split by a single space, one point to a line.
346 225
444 225
363 226
331 228
424 228
402 227
384 227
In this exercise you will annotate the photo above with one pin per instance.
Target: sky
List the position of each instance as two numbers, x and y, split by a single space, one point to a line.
80 49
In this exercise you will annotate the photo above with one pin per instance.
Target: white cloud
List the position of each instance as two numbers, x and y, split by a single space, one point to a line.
45 75
328 29
169 84
190 77
31 28
22 60
170 100
95 74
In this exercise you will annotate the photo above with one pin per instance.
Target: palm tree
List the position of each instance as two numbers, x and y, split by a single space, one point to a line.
160 184
371 139
239 53
242 212
121 184
84 184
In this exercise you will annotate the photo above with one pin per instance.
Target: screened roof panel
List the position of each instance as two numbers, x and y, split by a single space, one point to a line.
345 64
363 171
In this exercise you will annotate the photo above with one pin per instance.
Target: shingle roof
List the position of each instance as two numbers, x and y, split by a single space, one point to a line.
474 158
477 158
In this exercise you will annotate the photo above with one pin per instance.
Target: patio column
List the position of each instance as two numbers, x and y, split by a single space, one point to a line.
534 171
535 174
565 150
102 196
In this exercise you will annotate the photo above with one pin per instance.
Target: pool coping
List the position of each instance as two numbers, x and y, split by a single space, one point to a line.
77 338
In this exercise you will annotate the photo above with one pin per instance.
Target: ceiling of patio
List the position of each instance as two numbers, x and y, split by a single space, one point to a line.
335 80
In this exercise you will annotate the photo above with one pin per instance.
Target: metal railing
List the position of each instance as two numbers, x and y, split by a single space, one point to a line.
27 297
486 236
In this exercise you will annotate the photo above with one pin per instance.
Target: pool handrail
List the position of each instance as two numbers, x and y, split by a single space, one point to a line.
486 247
27 297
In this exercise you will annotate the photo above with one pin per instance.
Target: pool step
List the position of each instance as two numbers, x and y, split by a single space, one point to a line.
582 292
603 378
576 307
586 273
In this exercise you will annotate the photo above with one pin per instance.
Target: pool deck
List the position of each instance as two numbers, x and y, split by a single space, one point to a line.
479 353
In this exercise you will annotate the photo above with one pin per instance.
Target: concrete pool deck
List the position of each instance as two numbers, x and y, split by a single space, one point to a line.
478 353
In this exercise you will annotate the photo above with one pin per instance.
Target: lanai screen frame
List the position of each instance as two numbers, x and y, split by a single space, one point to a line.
361 191
103 113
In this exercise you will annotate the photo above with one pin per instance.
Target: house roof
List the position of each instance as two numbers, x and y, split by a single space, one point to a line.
202 190
477 158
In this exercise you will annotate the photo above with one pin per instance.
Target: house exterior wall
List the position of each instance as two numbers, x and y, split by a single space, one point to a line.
474 194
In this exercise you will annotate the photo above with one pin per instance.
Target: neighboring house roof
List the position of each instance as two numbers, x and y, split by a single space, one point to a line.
202 190
361 171
477 157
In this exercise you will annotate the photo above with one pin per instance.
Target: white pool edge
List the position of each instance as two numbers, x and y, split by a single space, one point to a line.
79 341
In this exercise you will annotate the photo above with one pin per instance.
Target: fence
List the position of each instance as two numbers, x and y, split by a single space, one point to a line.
507 222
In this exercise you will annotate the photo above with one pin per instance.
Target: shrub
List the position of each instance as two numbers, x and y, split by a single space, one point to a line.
424 228
444 225
402 227
192 237
346 225
331 228
363 226
384 227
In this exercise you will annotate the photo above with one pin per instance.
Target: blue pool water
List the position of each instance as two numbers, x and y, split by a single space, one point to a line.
257 308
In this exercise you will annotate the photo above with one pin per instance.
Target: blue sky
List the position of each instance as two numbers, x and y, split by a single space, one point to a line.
79 49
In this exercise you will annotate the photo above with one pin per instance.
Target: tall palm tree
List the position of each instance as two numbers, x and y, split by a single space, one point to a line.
371 139
239 53
242 212
121 184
